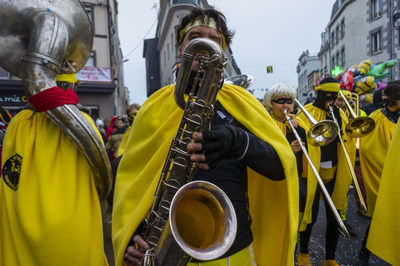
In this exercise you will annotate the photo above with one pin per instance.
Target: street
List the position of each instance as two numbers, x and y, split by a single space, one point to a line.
347 250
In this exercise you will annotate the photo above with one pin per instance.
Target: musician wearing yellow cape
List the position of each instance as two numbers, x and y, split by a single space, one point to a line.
373 150
384 234
245 152
282 96
333 169
49 206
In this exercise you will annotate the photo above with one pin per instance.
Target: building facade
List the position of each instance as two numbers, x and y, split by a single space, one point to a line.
102 89
359 30
161 52
307 72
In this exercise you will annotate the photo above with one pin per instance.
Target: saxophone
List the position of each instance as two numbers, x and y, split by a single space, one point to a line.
190 218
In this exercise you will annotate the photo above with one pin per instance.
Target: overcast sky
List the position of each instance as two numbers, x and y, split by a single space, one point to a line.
267 33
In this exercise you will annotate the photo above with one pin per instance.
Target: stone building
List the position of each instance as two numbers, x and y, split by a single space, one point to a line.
102 89
161 52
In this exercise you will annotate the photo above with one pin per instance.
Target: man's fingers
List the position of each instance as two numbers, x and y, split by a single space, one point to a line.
194 147
141 243
204 166
197 157
131 259
197 136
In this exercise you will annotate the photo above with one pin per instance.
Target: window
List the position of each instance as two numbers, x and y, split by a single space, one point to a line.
92 59
376 8
342 29
337 34
332 39
89 11
376 42
196 2
342 56
168 51
337 58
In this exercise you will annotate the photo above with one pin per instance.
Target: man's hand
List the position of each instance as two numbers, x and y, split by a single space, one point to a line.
216 145
134 254
296 146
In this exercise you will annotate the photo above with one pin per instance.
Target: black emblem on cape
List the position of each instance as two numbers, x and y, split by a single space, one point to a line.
12 170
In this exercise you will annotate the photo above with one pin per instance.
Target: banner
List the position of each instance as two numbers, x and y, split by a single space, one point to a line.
94 74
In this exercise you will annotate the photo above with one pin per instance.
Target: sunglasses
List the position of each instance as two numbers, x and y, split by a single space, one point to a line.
283 100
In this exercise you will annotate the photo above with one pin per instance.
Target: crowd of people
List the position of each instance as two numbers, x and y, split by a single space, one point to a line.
265 157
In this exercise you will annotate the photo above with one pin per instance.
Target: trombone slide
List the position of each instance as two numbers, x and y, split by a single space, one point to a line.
353 174
339 220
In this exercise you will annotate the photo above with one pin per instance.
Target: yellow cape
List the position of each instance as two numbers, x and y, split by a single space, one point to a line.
52 215
373 149
343 175
384 234
273 205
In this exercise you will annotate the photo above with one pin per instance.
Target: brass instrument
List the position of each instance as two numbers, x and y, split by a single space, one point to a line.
190 219
358 126
353 174
342 227
243 80
321 133
36 38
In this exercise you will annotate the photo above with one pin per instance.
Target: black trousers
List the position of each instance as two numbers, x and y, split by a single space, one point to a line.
332 230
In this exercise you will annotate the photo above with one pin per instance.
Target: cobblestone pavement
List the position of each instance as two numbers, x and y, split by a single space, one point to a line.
347 249
346 252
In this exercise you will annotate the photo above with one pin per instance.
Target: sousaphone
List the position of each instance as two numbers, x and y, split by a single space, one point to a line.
37 37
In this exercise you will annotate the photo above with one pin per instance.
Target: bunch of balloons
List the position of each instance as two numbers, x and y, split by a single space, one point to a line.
364 77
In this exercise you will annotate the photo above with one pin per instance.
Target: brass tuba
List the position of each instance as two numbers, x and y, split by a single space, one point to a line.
190 218
36 38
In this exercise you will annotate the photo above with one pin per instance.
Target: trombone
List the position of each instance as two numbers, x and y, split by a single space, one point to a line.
353 174
342 227
321 133
358 126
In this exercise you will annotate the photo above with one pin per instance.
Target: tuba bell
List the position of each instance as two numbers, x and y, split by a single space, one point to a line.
37 38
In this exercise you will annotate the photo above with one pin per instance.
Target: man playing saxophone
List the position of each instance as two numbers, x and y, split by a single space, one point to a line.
243 153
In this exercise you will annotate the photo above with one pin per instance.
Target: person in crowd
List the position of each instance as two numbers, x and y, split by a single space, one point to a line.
333 169
131 113
243 152
377 102
384 234
49 206
113 142
282 97
100 128
373 150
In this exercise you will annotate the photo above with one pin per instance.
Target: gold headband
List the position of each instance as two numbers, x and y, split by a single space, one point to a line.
209 22
331 86
70 78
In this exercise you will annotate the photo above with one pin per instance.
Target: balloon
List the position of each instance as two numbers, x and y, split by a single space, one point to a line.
365 85
380 71
363 68
347 80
